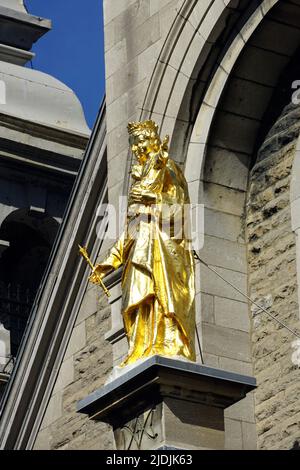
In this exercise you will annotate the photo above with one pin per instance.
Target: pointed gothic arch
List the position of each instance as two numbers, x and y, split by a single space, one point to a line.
213 97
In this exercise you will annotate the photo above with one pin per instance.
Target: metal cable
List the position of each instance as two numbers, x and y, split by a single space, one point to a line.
246 296
199 344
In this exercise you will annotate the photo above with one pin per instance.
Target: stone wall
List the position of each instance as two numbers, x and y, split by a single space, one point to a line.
87 363
134 35
273 283
135 32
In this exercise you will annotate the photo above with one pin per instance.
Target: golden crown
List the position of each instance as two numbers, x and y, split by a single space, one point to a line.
137 128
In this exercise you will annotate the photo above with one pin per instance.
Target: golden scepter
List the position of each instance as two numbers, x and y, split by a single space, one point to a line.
84 253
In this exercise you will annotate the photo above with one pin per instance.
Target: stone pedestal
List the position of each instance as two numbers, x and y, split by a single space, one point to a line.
167 403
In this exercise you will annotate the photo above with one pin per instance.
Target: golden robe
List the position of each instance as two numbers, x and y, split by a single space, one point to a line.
158 289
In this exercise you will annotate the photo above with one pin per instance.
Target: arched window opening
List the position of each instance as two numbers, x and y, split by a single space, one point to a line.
27 238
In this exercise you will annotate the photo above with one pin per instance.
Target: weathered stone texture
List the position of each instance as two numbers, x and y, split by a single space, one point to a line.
273 283
134 35
83 370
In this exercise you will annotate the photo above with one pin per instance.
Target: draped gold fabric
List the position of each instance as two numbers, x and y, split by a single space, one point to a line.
158 276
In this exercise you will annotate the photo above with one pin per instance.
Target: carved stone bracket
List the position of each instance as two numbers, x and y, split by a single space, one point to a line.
167 402
141 432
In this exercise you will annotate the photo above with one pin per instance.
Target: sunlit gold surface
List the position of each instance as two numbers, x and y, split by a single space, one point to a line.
96 279
158 276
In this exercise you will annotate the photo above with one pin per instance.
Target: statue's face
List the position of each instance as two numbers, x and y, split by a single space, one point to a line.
144 145
141 147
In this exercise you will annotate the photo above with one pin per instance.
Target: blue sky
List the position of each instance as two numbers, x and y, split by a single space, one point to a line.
73 51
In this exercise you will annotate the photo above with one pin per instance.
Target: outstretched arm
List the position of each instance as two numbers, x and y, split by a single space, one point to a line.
112 262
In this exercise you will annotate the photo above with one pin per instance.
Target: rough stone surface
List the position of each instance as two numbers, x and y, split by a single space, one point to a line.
273 283
81 373
134 34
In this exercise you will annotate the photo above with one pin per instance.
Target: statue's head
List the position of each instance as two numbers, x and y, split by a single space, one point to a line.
144 139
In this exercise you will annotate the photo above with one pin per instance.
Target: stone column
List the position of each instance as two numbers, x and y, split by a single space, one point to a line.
163 403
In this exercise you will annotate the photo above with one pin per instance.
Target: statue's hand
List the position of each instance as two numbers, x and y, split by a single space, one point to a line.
98 274
142 197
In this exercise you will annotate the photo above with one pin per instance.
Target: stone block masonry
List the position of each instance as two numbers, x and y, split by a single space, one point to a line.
84 368
273 283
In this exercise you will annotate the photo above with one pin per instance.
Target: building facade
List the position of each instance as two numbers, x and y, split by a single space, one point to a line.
43 137
221 78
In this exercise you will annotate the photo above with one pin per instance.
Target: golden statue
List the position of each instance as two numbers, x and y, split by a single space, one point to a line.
158 289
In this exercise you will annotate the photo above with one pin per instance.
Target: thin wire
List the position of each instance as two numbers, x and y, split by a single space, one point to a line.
246 296
199 344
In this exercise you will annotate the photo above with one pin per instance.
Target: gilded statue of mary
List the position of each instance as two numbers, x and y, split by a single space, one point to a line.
158 289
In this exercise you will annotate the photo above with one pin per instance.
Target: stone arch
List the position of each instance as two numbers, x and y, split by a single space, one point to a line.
26 237
272 281
214 35
35 219
233 120
208 98
224 187
179 70
200 37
